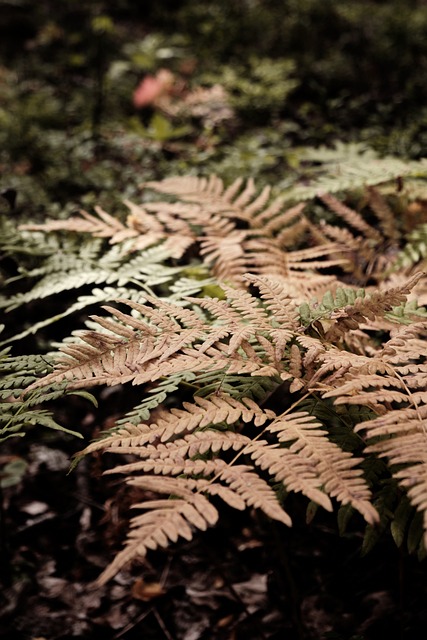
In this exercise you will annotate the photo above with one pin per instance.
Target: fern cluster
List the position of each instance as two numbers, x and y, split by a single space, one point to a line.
303 344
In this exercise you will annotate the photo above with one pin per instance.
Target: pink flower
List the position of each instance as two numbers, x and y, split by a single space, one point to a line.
152 87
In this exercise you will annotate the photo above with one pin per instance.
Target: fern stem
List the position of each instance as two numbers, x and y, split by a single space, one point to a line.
143 286
132 624
161 624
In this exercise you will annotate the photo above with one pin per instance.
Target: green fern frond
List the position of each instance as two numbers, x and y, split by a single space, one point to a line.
310 312
21 408
415 249
254 387
155 398
96 297
350 167
110 268
407 312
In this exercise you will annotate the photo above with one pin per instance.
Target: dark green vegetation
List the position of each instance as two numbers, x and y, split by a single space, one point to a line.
307 96
298 73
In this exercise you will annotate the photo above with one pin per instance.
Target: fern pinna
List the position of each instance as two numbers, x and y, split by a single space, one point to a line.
302 379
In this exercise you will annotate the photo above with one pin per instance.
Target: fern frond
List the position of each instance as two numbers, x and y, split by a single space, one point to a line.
171 466
97 296
187 286
202 413
180 451
183 442
103 226
226 255
288 224
255 491
398 396
401 437
292 470
276 299
141 230
377 304
350 216
75 272
347 167
165 521
334 467
230 250
253 387
169 338
384 214
273 329
351 307
191 188
415 249
155 397
20 407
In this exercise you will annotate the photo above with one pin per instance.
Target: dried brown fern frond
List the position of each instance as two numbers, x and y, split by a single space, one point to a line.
369 307
282 332
386 217
192 416
165 520
240 201
168 338
265 246
400 436
103 226
231 446
226 255
190 443
371 248
352 217
238 337
234 230
207 191
335 468
393 384
140 231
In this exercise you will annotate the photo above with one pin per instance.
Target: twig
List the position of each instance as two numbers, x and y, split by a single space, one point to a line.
161 624
132 624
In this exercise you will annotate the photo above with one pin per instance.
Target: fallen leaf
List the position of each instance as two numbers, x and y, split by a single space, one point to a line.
146 591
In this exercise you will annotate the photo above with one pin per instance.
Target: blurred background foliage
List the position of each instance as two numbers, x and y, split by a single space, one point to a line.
250 83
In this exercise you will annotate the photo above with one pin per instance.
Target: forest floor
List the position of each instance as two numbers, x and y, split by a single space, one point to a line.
247 578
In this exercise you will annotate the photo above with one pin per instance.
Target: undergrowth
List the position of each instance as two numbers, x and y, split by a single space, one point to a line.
279 345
